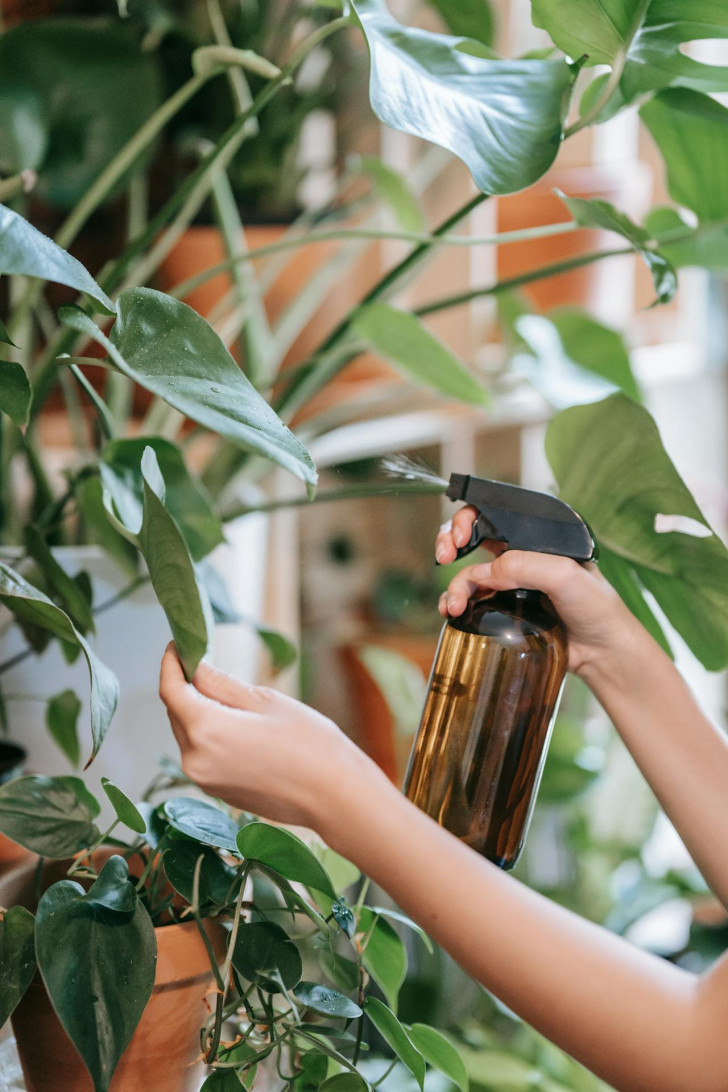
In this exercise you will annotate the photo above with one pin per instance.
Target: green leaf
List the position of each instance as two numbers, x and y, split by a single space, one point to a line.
341 872
126 812
344 918
201 821
62 713
186 499
597 28
15 390
396 915
31 605
394 1034
113 888
597 213
98 1000
401 337
624 579
344 1082
170 350
56 580
569 339
17 957
437 1049
284 853
611 466
222 1080
468 19
705 246
97 527
385 956
263 949
497 1071
691 132
326 1002
216 880
393 188
313 1069
51 816
502 118
343 972
24 249
171 570
282 652
91 86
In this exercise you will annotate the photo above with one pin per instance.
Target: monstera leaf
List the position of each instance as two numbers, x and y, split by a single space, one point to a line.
502 118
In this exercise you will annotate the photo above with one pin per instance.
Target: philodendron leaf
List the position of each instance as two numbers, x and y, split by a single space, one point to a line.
24 249
216 879
440 1052
17 957
502 118
401 338
326 1002
97 954
284 853
201 821
56 579
15 391
186 499
50 816
691 132
597 213
62 713
705 245
395 1035
126 812
172 351
468 18
31 605
610 465
264 953
385 956
172 571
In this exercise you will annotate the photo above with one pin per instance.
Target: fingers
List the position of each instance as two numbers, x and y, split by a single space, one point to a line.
223 688
454 533
512 569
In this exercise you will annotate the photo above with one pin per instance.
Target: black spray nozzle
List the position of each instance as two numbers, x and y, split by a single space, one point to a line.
526 520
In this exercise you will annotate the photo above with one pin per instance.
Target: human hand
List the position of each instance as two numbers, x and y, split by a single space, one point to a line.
260 750
598 623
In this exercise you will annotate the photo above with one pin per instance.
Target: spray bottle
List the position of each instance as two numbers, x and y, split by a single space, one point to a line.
496 681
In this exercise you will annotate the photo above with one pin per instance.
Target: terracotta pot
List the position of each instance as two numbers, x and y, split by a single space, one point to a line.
164 1046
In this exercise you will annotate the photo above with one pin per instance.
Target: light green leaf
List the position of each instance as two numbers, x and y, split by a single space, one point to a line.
691 132
201 821
17 957
284 853
341 872
594 212
611 467
62 713
98 528
401 338
5 337
396 915
468 19
186 499
263 951
326 1002
394 1034
24 249
393 188
597 28
126 812
705 246
30 605
51 816
171 570
497 1071
437 1049
119 978
172 351
385 956
15 391
502 118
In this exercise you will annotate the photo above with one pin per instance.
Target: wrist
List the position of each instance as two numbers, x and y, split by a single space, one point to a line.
355 797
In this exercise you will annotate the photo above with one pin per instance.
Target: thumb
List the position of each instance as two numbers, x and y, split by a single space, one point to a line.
223 688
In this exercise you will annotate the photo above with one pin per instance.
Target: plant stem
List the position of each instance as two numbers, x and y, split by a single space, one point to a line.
88 853
363 489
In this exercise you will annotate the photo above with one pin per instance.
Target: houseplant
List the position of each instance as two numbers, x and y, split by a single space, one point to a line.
154 337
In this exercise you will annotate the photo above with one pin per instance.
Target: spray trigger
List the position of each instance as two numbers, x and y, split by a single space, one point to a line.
482 529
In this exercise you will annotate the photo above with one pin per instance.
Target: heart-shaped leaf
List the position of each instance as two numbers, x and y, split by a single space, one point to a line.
502 118
126 812
468 19
51 816
62 714
98 1000
326 1002
201 821
284 853
30 605
263 953
610 465
113 889
172 572
395 1035
401 338
17 957
172 351
24 249
15 392
436 1049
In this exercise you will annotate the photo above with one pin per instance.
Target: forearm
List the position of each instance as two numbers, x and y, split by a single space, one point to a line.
681 754
624 1014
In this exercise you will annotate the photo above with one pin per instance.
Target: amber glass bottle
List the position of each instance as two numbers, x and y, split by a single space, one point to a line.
479 753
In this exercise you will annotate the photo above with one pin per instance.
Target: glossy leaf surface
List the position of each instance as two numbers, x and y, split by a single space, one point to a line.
326 1002
24 249
610 465
99 1000
502 118
201 821
385 956
216 884
437 1049
395 1035
31 605
17 957
15 393
285 853
126 811
263 952
51 816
